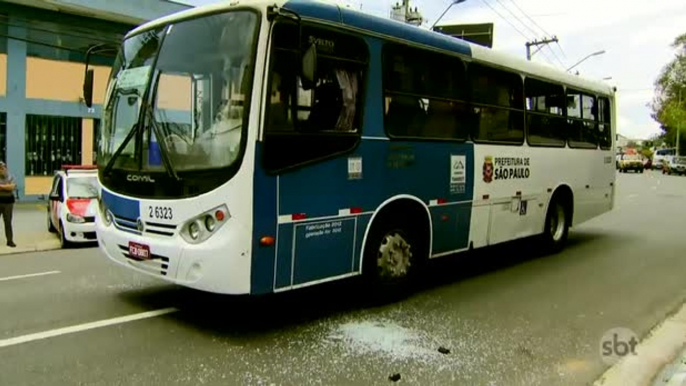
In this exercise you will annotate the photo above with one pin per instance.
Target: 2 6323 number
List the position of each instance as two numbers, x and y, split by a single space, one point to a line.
160 212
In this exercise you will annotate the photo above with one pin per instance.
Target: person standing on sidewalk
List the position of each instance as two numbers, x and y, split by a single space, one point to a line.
7 187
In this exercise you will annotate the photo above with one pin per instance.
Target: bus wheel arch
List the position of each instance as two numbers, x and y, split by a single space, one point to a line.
559 218
404 220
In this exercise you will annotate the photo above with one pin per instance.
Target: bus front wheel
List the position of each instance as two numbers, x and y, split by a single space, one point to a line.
557 222
394 256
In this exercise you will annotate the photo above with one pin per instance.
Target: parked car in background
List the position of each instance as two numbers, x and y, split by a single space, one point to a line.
660 155
73 204
674 165
632 162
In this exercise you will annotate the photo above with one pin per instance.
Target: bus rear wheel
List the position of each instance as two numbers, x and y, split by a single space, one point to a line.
556 228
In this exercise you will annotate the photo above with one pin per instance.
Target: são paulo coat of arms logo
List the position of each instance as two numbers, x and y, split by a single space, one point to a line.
488 169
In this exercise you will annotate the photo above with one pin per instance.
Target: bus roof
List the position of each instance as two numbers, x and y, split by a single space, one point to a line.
353 19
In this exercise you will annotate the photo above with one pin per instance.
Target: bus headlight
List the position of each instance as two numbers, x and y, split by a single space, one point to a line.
210 223
104 213
107 218
194 230
202 227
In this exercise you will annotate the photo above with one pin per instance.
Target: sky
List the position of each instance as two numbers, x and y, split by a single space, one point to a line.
636 36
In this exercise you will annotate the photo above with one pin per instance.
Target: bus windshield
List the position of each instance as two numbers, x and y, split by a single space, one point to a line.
175 99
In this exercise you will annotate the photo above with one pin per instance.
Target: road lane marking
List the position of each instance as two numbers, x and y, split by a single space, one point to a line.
28 276
84 327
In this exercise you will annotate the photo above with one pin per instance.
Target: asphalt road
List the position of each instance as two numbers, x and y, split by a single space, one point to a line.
508 317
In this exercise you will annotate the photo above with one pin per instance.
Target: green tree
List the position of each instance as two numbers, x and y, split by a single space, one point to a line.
669 103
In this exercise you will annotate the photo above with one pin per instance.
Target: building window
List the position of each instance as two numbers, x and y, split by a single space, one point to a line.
310 122
3 137
50 143
425 95
545 119
3 33
498 101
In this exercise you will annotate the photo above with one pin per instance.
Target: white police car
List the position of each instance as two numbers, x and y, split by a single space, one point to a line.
73 204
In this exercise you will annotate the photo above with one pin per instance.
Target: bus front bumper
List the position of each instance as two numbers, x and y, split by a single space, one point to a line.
220 264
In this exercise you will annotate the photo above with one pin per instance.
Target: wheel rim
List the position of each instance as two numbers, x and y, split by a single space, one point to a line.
557 223
394 256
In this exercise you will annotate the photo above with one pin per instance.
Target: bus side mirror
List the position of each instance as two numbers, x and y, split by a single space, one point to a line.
88 88
309 67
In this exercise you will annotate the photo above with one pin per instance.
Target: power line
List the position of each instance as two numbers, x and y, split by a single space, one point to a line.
515 27
542 29
555 55
517 18
508 22
529 17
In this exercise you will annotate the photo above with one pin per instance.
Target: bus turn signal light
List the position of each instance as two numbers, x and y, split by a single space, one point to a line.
219 215
267 241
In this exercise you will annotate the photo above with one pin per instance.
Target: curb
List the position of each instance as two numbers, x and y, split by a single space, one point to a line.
49 245
654 355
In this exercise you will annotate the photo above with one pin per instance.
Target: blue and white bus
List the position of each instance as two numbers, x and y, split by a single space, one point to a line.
251 147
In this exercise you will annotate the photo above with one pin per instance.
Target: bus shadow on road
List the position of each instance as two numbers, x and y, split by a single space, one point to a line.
242 318
455 269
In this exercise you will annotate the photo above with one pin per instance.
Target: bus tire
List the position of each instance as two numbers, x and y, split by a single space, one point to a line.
395 254
557 223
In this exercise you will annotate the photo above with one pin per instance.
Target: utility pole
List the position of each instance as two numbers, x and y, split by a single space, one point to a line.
538 43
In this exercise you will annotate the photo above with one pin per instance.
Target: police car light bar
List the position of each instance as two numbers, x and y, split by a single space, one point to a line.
86 167
76 168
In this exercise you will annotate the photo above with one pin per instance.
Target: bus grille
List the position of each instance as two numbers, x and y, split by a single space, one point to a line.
151 228
157 265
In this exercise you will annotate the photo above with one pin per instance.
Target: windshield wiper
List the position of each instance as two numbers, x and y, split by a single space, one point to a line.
164 151
132 131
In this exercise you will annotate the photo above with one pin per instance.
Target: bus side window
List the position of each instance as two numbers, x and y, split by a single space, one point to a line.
497 99
604 125
545 113
425 94
580 120
309 124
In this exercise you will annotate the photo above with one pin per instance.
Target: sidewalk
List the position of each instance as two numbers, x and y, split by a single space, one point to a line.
660 358
673 374
30 230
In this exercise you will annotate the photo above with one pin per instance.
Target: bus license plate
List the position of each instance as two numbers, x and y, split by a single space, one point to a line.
139 251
